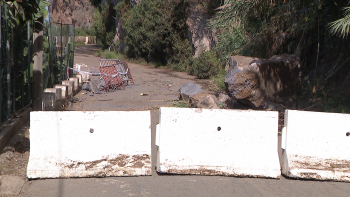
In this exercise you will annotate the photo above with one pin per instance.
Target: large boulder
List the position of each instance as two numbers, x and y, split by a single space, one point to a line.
254 81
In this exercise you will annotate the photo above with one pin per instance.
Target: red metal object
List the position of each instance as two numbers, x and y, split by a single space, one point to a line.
124 72
122 67
111 77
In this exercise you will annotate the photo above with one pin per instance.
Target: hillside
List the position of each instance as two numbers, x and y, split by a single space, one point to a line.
79 12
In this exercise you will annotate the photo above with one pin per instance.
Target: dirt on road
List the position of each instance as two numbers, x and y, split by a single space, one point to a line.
153 87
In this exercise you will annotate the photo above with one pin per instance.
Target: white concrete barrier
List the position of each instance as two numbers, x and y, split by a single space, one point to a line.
316 145
218 142
89 144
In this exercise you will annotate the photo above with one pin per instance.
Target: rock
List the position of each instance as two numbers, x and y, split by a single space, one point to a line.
11 185
189 89
225 101
204 100
97 85
252 81
228 103
200 37
86 86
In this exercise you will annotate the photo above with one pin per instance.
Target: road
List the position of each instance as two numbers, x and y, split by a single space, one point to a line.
161 87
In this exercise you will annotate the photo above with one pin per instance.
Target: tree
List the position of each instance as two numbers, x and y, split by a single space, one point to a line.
25 10
156 31
104 25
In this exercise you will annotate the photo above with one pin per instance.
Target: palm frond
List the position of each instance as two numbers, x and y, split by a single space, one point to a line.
341 27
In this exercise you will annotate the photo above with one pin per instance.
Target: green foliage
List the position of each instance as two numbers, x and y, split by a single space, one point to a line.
122 8
318 96
264 28
261 28
341 26
181 104
205 65
230 41
219 79
104 25
22 11
110 54
83 31
156 31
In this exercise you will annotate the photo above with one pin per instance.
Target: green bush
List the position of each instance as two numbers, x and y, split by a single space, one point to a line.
156 31
205 65
220 78
110 54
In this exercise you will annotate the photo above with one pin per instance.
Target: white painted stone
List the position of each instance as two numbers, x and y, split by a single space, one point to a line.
64 89
76 84
57 91
79 76
70 85
89 143
190 142
58 98
49 101
317 146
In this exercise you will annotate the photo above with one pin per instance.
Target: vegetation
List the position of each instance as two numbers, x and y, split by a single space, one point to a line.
315 31
104 25
22 11
156 31
83 31
205 65
341 26
180 104
265 28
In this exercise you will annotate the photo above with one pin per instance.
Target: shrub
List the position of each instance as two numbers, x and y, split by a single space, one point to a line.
110 54
205 65
156 31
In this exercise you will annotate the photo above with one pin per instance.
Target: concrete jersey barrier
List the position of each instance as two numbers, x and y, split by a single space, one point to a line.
218 142
316 145
89 144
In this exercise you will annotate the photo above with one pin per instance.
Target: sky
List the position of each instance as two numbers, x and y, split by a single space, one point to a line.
47 18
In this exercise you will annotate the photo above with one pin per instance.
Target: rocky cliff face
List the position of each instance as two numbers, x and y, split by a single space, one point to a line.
79 12
199 34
